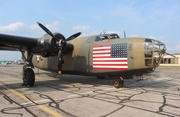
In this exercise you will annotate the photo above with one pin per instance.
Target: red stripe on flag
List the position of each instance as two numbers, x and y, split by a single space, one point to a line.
108 45
120 69
109 60
109 64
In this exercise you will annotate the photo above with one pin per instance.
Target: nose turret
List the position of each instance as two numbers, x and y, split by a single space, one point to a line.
154 51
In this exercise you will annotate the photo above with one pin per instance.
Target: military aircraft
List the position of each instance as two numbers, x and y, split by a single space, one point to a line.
103 55
5 63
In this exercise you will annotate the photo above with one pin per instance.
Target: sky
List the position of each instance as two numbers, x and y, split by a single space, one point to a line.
157 19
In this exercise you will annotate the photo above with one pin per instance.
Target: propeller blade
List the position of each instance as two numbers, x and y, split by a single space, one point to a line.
45 29
73 36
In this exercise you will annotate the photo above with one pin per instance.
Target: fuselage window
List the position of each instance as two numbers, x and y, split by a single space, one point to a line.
130 47
148 46
148 50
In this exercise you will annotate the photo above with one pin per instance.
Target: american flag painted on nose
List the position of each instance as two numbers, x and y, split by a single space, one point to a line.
110 57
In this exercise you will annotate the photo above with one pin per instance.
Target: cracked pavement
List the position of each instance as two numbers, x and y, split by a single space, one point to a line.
158 94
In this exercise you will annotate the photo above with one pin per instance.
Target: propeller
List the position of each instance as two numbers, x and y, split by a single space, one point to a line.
60 42
73 36
45 29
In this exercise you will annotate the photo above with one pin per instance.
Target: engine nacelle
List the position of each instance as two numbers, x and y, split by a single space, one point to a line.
68 48
47 45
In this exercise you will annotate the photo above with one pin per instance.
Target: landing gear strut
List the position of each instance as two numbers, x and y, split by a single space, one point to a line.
28 76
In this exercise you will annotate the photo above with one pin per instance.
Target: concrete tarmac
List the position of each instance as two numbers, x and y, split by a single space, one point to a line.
158 94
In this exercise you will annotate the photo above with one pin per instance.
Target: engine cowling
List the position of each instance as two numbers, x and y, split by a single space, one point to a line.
52 44
49 46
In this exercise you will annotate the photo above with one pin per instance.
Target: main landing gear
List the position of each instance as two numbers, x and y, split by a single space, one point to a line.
117 83
28 77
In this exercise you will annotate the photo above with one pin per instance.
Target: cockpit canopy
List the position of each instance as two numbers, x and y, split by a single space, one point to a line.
104 36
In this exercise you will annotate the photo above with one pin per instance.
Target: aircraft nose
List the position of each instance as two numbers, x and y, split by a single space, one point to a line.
158 50
159 46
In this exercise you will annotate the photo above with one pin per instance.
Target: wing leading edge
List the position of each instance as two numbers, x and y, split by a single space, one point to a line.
16 43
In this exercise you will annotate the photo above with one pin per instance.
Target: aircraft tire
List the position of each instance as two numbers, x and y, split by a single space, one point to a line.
29 77
118 84
153 69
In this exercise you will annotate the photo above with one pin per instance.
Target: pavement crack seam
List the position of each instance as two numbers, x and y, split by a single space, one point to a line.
11 101
42 107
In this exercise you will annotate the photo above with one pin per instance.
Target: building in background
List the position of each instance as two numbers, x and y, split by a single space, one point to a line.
169 60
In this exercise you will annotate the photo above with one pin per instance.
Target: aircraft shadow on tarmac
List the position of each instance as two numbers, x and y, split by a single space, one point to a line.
151 80
45 83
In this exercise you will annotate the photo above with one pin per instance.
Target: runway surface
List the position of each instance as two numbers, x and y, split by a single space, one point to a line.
85 96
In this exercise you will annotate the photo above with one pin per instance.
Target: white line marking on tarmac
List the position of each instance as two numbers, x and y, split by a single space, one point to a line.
46 100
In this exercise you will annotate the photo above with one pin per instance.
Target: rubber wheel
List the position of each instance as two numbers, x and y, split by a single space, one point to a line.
29 77
118 84
153 69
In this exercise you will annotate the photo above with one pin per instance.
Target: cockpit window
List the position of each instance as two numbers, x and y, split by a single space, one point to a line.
98 38
101 38
114 36
148 40
106 36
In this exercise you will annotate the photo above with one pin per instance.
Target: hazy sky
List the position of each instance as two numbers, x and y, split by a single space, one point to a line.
157 19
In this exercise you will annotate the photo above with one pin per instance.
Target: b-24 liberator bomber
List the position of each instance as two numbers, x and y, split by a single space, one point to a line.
104 55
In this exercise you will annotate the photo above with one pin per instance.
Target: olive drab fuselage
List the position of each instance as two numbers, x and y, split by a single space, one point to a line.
117 56
104 55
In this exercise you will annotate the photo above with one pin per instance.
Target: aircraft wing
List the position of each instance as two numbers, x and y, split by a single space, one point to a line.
16 43
45 46
48 45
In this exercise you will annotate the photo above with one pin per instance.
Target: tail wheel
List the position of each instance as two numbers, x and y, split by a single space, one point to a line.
29 77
